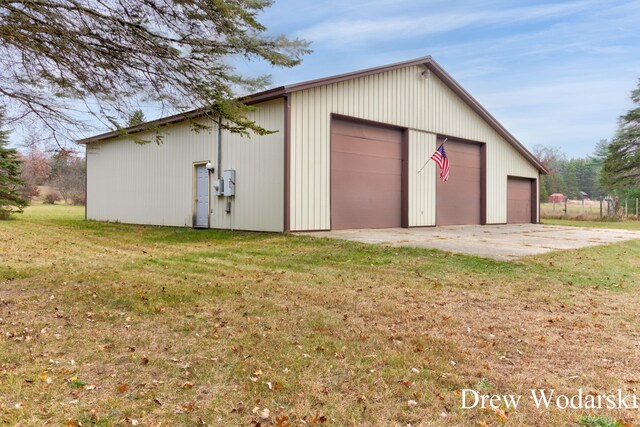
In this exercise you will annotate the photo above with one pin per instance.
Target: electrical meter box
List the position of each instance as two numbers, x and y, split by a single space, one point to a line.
229 177
218 186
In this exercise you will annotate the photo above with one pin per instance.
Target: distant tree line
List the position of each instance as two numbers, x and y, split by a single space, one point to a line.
613 170
63 170
575 178
24 172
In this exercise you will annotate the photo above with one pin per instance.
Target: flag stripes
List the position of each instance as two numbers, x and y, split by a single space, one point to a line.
441 159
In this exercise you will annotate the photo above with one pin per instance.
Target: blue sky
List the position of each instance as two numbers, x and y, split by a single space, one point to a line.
553 73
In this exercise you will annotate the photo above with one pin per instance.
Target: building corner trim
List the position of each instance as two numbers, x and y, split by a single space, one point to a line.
287 164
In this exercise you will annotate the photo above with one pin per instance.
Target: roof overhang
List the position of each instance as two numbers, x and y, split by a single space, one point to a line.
281 91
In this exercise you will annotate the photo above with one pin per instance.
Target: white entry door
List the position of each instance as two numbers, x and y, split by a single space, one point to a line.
202 197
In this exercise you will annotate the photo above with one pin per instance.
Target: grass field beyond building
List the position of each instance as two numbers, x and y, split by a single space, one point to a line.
110 324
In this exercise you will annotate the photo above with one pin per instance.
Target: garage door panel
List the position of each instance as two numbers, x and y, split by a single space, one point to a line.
363 130
458 200
384 191
464 159
366 176
367 147
346 163
355 179
519 200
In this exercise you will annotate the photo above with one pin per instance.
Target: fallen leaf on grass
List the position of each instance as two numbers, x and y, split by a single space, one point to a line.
317 419
186 407
500 413
122 387
282 421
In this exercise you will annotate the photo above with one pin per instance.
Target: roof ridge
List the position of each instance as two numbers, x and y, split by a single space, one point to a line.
280 91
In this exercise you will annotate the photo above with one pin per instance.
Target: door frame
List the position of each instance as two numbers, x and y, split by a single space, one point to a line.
194 194
534 198
404 174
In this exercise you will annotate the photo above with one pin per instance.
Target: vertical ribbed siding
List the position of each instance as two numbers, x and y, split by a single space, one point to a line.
259 164
146 184
153 184
400 97
422 186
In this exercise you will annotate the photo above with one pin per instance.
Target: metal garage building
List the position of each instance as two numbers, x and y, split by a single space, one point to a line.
347 154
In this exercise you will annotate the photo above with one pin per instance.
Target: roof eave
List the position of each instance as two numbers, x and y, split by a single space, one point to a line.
264 96
482 112
278 92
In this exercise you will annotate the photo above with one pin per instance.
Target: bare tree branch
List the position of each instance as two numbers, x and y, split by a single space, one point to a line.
115 53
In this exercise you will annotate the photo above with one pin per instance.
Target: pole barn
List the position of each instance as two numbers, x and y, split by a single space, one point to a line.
347 153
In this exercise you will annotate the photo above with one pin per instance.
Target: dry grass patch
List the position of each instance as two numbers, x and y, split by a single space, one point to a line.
112 324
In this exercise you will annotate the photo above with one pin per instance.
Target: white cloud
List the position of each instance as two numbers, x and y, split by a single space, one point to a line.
353 31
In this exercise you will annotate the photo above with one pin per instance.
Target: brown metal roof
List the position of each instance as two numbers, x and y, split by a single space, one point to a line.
278 92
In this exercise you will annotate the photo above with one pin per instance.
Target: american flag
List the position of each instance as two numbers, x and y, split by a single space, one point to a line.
440 157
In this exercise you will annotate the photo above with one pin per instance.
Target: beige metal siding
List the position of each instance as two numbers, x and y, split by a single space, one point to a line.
153 184
259 164
146 184
422 186
403 98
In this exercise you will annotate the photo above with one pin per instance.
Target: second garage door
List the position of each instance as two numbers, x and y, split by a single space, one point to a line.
459 199
519 200
366 175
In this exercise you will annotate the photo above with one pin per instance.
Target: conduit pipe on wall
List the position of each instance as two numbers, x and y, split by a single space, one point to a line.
219 148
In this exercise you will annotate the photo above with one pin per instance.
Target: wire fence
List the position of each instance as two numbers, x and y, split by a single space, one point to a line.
589 210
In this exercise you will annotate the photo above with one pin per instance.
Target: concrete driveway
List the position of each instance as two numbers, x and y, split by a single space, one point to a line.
501 242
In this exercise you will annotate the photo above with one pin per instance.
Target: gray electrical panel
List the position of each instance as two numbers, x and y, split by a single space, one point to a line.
218 186
229 177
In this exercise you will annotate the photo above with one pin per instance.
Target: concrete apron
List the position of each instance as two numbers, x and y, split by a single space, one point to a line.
501 242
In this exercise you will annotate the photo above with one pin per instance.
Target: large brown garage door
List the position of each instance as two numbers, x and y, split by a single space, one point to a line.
459 199
366 175
519 200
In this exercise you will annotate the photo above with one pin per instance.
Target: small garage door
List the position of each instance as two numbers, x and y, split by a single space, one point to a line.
519 200
366 175
458 200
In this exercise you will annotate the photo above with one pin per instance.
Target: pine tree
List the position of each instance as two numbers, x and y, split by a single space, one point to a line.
11 199
621 167
136 118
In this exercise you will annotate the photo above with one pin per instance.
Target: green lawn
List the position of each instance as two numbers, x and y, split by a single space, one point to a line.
113 324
